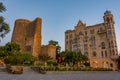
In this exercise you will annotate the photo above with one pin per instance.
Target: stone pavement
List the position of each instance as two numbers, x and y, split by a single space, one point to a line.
28 74
62 76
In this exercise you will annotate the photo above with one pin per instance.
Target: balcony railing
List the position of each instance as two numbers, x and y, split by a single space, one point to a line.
101 31
114 57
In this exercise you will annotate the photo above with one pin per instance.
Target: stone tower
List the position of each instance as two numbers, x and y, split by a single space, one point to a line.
109 25
28 35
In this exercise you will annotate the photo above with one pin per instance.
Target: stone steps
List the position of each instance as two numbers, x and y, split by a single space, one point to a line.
28 70
3 70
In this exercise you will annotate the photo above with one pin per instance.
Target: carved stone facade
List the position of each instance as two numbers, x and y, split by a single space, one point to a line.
28 35
98 42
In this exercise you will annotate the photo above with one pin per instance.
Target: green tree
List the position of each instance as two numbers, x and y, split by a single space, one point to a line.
9 49
58 48
12 47
10 54
84 58
20 59
52 42
28 58
74 57
4 27
2 7
2 52
69 57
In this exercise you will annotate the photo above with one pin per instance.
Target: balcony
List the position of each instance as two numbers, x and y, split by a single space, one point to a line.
101 31
114 57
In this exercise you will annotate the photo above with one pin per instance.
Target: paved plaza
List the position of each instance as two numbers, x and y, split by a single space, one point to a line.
62 76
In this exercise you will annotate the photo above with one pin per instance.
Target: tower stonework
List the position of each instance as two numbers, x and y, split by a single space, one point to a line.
98 42
28 35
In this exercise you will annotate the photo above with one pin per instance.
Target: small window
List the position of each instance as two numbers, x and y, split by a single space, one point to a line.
66 36
116 52
102 37
111 65
86 39
109 44
66 42
102 53
85 47
100 29
70 35
85 32
108 26
112 44
80 33
103 45
109 33
92 31
92 38
110 53
94 54
105 53
113 52
25 39
108 20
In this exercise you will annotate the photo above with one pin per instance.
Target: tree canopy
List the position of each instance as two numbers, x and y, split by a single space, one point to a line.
2 7
73 57
52 42
4 27
58 48
20 59
9 49
10 54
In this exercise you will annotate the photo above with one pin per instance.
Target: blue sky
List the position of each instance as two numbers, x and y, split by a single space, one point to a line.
60 15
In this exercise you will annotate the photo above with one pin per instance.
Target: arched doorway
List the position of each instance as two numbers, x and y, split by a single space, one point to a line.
95 64
105 64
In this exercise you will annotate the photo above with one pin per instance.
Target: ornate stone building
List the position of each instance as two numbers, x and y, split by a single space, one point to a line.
28 35
98 42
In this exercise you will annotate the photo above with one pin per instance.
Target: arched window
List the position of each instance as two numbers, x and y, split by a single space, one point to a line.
108 20
111 65
111 19
102 54
103 45
113 52
66 42
70 35
80 33
109 44
116 52
112 44
94 54
110 53
66 36
85 32
109 33
105 53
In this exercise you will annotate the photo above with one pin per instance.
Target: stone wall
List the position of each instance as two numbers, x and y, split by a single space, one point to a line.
49 50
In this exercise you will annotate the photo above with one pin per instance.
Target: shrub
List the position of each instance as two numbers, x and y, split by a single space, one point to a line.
55 64
87 64
20 59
